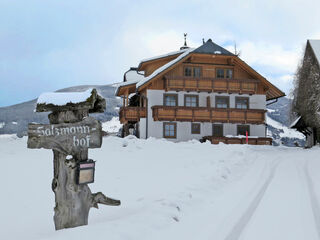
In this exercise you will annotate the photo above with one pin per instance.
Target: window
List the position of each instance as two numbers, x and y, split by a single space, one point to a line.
188 71
242 129
195 128
242 103
169 130
191 100
222 102
217 130
170 100
224 73
229 73
192 71
220 73
197 72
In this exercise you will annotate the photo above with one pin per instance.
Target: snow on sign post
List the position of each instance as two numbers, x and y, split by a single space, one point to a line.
70 134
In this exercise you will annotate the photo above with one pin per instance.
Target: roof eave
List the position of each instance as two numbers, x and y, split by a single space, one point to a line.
119 87
280 96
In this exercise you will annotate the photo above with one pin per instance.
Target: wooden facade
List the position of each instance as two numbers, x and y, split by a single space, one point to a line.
202 84
206 114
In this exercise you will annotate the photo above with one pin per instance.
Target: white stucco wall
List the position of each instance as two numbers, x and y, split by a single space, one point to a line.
142 126
155 128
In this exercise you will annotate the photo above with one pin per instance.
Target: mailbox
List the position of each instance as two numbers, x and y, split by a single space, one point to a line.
85 172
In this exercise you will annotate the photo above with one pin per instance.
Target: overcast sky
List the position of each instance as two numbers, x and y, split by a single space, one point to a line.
46 45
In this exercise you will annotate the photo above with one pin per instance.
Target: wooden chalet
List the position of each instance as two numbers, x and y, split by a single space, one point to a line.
202 93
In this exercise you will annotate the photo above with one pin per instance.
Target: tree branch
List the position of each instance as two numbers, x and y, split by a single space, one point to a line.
102 199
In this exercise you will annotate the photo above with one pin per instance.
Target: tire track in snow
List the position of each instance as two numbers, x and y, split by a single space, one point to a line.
245 218
313 199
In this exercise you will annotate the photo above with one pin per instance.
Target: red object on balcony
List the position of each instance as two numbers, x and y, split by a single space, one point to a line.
247 139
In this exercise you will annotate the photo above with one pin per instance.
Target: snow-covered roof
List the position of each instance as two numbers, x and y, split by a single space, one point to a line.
163 56
208 47
123 84
164 67
134 76
62 98
315 44
295 122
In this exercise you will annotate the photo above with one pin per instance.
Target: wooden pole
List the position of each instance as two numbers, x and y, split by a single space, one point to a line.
73 201
69 135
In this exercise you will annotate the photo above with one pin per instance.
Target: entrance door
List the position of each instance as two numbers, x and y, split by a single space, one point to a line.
217 130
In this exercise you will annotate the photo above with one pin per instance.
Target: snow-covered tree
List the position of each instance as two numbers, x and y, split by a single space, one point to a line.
306 93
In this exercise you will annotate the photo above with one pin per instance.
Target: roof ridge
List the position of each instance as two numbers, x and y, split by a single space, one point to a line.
212 48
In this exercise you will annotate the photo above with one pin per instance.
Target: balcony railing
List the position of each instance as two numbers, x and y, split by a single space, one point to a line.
205 114
202 84
133 114
239 140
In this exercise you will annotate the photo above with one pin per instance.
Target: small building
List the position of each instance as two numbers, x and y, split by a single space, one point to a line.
206 92
309 132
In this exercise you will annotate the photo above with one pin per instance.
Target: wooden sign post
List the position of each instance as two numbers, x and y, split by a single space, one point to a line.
70 134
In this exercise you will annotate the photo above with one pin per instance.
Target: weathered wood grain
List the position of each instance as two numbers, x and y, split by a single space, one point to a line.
71 132
67 138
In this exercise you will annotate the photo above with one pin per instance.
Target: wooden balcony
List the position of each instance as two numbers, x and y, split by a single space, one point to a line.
132 114
204 114
202 84
239 140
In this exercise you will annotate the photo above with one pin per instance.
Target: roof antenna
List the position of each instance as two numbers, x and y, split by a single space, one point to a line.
235 50
185 42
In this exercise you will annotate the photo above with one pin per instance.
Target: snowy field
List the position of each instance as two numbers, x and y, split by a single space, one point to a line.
170 191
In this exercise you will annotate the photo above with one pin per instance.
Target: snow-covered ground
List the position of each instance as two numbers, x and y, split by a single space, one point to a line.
170 191
112 126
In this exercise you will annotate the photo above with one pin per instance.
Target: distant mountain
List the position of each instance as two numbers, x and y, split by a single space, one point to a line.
15 118
280 110
278 122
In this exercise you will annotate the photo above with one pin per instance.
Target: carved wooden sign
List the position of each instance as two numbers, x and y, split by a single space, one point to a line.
66 137
71 133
